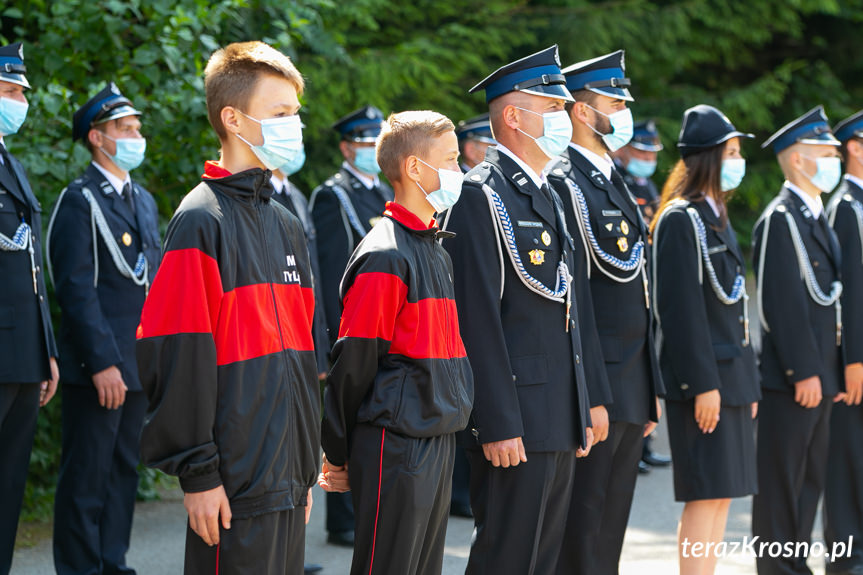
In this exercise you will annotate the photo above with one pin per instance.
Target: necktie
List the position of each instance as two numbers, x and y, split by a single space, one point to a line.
129 197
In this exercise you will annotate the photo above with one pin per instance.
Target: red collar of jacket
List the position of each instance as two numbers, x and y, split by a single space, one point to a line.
407 218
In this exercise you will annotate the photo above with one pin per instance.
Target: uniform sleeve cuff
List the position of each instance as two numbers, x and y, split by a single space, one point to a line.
200 483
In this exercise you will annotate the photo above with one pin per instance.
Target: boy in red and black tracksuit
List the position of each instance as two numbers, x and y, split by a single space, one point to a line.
225 342
400 385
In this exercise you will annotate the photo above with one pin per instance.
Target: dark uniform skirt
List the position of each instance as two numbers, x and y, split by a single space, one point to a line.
719 465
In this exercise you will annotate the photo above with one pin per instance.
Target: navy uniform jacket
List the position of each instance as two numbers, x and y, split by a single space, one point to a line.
704 341
26 338
849 230
528 371
298 205
801 342
623 320
98 325
338 237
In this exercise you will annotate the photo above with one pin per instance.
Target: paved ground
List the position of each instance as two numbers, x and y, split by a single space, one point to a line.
650 548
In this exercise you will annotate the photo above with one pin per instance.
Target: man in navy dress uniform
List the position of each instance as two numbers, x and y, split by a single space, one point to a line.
797 264
104 249
624 406
843 492
512 257
344 208
28 366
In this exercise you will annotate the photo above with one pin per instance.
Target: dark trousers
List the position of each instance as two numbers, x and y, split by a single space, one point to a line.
792 461
19 406
843 492
95 497
519 512
340 512
601 499
401 491
461 477
268 544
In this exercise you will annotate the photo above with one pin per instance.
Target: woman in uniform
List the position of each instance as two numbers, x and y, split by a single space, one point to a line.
707 361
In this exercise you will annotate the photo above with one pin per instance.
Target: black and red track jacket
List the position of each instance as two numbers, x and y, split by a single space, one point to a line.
225 348
399 362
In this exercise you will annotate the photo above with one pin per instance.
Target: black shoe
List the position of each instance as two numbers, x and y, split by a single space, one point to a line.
460 509
655 459
341 538
643 468
312 568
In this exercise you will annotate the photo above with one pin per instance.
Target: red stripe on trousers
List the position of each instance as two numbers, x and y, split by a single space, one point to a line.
378 509
376 307
184 297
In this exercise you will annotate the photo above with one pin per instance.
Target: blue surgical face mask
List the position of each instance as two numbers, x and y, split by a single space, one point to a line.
556 132
733 170
449 191
828 172
12 115
283 140
621 128
129 153
641 168
295 164
366 161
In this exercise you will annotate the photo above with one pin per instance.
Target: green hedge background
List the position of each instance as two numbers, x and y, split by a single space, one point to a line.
763 62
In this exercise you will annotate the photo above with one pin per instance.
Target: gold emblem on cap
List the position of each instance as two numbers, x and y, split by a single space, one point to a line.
537 257
624 227
127 239
622 244
546 238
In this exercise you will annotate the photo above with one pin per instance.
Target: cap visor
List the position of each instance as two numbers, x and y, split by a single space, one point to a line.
647 147
119 112
616 93
825 139
556 91
15 79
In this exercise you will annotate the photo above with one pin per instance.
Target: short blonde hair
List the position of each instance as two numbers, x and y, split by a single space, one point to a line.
232 75
408 134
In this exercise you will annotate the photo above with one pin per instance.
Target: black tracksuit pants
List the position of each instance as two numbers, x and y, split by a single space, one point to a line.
268 544
401 492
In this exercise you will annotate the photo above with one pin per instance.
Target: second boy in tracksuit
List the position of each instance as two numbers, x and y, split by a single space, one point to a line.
400 385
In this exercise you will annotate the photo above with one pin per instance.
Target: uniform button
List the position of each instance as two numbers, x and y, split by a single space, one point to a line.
815 264
572 323
740 319
744 343
82 365
577 359
146 246
684 386
789 372
41 298
513 377
738 269
38 269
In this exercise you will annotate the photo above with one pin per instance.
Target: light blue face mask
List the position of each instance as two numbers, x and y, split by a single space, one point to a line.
828 172
283 140
295 164
556 132
641 168
621 128
733 170
449 191
12 115
129 153
366 161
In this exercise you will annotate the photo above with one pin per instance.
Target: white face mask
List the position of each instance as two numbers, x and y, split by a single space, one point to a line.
621 128
283 140
449 191
828 172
